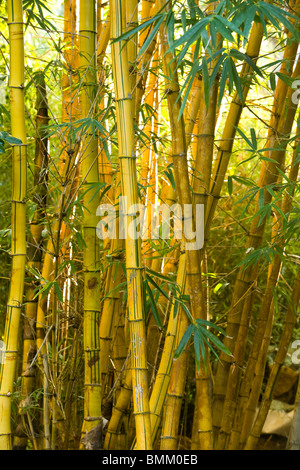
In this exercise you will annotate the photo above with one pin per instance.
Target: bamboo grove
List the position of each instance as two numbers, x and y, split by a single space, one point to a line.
149 245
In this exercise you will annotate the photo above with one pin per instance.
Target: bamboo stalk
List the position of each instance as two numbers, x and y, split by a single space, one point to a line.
149 9
18 224
174 397
134 267
289 324
179 155
91 258
247 277
220 167
34 255
294 435
263 326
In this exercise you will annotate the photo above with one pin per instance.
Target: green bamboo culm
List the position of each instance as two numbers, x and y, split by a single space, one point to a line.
128 173
18 221
90 180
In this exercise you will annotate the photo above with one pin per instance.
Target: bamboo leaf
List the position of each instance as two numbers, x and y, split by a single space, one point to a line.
210 324
184 341
197 345
223 80
261 199
192 34
206 81
285 78
215 341
244 57
58 291
243 135
151 35
4 136
229 25
153 304
230 185
253 138
157 286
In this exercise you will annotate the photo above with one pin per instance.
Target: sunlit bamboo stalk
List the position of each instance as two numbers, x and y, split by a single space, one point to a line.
128 172
91 257
18 223
34 254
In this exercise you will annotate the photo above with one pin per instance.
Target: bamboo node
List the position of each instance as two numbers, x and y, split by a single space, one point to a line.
183 154
127 156
92 418
87 31
19 87
127 98
169 437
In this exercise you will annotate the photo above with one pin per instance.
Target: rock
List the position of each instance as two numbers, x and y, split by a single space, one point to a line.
278 422
285 387
94 439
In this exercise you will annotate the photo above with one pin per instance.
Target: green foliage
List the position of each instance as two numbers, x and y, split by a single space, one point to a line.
5 137
203 338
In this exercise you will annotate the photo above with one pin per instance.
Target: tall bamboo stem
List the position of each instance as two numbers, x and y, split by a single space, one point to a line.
18 224
128 172
91 259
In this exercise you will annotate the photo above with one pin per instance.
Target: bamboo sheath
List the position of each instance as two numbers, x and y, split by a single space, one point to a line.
128 174
18 236
91 259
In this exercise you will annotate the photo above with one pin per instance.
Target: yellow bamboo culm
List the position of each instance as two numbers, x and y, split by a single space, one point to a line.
34 258
91 259
18 236
128 173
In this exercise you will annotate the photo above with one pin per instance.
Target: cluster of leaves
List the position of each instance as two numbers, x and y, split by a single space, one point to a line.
6 138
